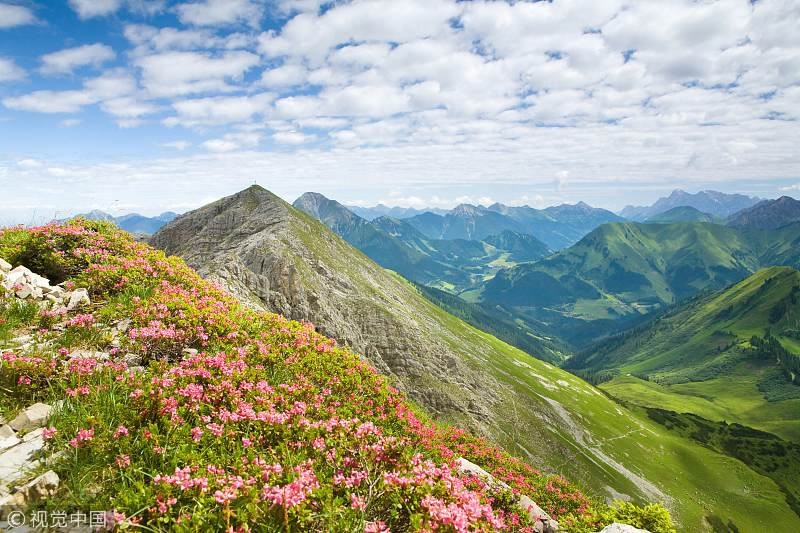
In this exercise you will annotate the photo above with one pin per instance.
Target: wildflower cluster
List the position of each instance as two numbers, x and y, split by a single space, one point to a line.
235 417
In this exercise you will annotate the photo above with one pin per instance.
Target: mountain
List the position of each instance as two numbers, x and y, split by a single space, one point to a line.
134 222
622 271
714 203
464 222
396 244
557 227
276 257
381 210
769 214
682 213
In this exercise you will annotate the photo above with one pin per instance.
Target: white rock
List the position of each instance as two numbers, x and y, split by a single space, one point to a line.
16 462
5 266
77 298
622 528
25 291
21 270
100 356
189 351
7 437
10 503
13 278
33 417
41 487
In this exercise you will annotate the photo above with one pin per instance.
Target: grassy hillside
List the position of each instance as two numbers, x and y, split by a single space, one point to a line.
232 417
683 213
624 270
701 358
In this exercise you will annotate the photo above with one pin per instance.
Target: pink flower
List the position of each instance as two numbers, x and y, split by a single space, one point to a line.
246 442
121 431
123 461
375 527
49 433
23 380
357 502
81 438
197 434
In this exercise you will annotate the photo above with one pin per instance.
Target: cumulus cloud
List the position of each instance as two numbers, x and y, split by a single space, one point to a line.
14 15
220 12
9 71
87 9
561 94
179 73
67 60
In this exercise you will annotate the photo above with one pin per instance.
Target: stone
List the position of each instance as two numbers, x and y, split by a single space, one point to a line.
132 359
5 266
11 503
543 522
78 298
86 354
622 528
16 462
123 325
189 351
42 487
8 438
13 278
33 417
24 292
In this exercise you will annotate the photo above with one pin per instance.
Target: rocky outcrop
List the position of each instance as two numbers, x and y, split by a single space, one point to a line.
543 522
275 257
25 284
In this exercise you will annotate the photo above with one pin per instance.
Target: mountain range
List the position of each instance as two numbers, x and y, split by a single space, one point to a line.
557 226
450 264
620 272
276 257
381 210
714 203
133 222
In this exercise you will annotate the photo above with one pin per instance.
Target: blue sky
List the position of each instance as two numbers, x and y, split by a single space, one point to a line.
154 105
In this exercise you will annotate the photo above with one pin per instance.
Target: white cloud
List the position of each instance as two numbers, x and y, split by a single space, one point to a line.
284 76
233 141
220 109
67 60
177 145
14 15
292 137
220 12
179 73
112 84
50 101
94 8
69 123
9 71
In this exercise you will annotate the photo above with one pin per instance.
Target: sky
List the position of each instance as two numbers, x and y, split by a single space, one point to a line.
155 105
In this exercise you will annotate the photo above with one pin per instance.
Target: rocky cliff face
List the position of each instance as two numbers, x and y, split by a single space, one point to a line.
274 257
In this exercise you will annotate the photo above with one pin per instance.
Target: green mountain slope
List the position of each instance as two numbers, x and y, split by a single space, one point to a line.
622 271
274 256
704 357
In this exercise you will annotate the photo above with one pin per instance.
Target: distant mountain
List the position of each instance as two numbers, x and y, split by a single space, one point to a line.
714 203
134 222
398 245
557 227
682 213
622 271
276 257
769 214
381 210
